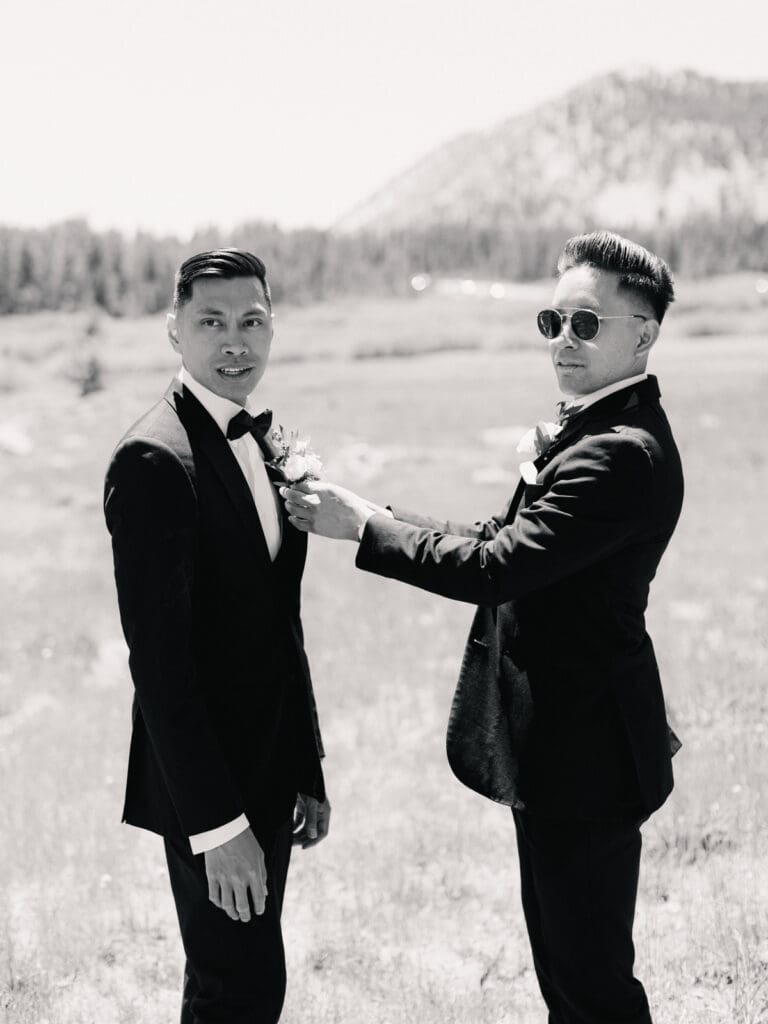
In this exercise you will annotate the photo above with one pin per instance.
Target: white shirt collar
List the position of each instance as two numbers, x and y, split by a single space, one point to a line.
583 401
220 409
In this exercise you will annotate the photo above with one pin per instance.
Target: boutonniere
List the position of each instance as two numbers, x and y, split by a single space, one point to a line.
535 442
293 459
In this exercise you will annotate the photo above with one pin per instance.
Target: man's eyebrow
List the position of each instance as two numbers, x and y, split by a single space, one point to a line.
212 311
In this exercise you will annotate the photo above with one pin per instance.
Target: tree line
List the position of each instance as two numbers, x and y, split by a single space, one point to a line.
70 266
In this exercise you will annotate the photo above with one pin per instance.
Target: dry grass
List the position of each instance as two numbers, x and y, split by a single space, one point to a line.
410 910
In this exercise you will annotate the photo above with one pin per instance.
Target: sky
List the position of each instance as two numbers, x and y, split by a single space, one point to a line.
167 115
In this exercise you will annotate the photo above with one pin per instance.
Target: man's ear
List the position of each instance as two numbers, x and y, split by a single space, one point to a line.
647 338
173 331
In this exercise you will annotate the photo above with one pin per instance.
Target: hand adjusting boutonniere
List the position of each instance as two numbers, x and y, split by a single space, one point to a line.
291 458
535 442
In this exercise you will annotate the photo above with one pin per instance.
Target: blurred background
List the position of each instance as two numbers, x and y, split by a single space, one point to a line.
409 173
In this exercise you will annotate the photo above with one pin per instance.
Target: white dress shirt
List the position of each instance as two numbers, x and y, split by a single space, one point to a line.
618 385
248 454
249 457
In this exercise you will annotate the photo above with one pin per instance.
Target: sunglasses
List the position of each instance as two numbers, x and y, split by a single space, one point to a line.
585 323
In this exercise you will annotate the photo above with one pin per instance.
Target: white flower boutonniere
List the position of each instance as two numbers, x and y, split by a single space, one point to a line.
539 438
535 442
293 460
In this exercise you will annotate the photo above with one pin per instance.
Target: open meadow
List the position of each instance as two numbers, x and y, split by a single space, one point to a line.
409 911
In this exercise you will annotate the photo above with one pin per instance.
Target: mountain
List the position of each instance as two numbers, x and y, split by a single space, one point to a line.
641 149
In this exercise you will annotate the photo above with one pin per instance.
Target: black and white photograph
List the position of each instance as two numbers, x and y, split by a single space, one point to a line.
383 472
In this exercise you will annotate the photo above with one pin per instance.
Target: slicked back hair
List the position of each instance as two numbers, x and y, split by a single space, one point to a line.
227 263
638 270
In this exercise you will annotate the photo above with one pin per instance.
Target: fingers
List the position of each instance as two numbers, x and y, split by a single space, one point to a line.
299 818
299 511
310 826
214 891
315 824
322 824
257 883
306 486
228 870
299 499
299 811
299 508
228 900
305 818
242 909
323 820
233 898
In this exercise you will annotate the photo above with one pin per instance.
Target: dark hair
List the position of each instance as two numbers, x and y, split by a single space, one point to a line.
226 263
639 270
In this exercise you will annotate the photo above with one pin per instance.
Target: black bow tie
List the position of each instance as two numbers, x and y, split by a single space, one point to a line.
244 423
564 415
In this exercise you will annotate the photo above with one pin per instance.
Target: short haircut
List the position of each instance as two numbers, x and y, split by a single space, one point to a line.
226 263
638 270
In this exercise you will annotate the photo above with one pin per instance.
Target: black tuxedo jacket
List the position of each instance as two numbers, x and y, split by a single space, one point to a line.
559 708
224 718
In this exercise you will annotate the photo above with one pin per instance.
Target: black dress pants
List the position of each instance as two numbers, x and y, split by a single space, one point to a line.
579 885
235 971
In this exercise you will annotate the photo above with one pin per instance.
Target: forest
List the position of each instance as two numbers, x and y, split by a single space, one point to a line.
70 266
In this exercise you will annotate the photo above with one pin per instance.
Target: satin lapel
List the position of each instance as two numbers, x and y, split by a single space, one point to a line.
228 470
210 440
514 504
290 536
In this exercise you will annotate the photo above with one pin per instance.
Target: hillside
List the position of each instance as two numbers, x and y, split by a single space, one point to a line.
622 149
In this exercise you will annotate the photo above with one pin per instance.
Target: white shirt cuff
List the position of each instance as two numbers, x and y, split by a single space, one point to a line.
372 512
204 841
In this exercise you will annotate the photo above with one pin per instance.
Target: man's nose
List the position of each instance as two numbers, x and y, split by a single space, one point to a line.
566 336
234 345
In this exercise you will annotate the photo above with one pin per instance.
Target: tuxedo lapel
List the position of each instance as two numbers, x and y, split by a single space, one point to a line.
612 405
514 504
209 439
293 542
231 476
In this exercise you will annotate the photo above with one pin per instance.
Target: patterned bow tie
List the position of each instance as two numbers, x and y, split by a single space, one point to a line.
244 423
566 412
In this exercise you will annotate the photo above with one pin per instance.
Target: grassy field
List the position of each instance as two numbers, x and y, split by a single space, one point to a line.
410 910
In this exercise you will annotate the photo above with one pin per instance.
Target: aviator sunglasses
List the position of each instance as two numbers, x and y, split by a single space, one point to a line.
585 323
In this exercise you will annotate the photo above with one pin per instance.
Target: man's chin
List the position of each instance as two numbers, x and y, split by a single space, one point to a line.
566 384
571 381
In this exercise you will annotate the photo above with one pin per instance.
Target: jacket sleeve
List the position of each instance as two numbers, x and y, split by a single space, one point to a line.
484 529
596 503
151 512
310 688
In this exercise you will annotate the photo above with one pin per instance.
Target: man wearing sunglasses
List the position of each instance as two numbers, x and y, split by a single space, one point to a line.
559 711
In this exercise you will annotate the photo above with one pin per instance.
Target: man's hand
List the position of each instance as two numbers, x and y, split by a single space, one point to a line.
311 821
234 869
315 506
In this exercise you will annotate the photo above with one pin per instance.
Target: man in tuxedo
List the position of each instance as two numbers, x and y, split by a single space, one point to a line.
559 710
225 753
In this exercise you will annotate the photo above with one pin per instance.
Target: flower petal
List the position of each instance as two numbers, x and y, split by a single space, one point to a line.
527 443
314 465
295 467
